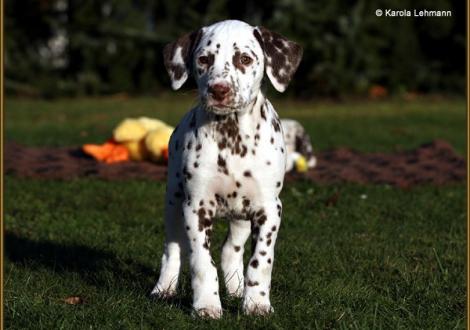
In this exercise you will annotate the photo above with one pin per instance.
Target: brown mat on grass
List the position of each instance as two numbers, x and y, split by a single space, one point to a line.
432 163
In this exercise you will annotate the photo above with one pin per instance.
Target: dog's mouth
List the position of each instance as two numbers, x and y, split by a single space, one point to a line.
219 108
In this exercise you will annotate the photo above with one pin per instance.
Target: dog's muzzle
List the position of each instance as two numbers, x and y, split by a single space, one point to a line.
219 92
219 99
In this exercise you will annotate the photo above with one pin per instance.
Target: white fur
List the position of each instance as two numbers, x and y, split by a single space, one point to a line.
253 172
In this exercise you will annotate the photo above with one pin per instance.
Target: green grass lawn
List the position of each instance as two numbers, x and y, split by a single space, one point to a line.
380 258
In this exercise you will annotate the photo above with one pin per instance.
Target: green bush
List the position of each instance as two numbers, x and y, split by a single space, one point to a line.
115 46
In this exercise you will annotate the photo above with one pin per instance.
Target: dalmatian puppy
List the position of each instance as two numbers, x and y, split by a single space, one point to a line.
297 144
227 159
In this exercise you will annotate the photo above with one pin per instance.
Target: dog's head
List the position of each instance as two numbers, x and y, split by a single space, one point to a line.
228 60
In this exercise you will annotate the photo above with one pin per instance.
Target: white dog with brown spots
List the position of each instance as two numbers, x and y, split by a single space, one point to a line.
227 158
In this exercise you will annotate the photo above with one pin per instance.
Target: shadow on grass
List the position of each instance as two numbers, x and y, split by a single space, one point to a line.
99 268
102 269
94 266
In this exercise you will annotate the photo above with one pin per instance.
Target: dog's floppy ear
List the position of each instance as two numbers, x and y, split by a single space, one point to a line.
282 56
177 57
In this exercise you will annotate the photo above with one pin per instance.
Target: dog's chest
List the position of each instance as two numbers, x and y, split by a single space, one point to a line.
236 161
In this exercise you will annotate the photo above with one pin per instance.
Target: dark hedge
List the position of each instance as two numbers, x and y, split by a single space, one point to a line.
115 46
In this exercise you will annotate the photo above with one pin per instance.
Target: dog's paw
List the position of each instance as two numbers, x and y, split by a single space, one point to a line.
209 312
235 294
159 293
257 309
235 290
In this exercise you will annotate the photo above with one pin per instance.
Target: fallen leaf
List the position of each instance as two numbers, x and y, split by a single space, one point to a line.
332 200
73 300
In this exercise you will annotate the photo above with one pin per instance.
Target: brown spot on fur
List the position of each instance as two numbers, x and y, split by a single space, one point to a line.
237 248
201 214
244 150
237 63
186 173
210 60
188 42
203 221
229 135
263 114
281 54
222 165
276 125
247 173
254 263
263 253
221 162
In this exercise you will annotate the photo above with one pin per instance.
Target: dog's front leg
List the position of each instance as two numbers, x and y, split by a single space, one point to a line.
265 224
175 246
204 280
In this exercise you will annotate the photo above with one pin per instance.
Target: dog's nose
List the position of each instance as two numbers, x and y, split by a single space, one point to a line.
219 91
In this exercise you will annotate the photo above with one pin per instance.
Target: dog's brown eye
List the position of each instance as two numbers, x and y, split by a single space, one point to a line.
245 60
203 59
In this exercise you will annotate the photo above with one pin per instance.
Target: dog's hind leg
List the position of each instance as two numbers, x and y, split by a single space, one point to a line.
232 256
